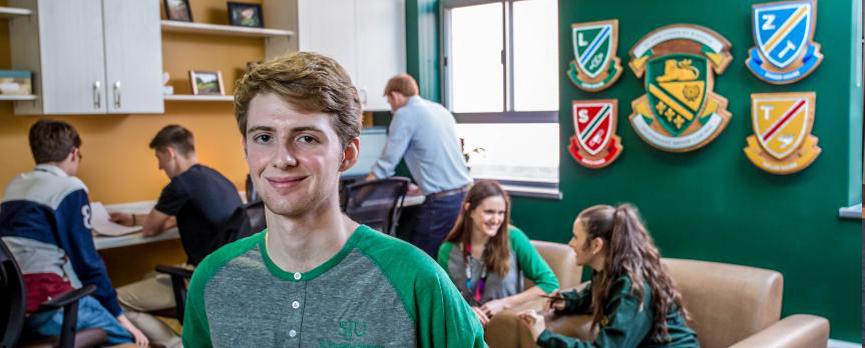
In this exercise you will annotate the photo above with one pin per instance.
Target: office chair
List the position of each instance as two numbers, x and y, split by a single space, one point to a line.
13 311
377 203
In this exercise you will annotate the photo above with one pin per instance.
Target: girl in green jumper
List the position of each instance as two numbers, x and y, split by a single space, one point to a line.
487 258
632 299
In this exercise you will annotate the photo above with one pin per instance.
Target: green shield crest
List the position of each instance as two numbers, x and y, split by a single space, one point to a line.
592 47
677 86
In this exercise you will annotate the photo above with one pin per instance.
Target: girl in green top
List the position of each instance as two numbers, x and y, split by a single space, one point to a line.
632 299
487 258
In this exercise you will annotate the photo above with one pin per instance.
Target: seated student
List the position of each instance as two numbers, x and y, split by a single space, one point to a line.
632 299
207 210
487 258
45 223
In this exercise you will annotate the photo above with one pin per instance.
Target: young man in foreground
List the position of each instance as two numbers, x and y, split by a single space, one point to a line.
314 277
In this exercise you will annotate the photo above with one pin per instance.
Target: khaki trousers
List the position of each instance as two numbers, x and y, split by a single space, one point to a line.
150 294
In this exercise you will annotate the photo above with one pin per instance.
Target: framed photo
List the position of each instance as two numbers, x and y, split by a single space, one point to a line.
206 82
178 10
245 15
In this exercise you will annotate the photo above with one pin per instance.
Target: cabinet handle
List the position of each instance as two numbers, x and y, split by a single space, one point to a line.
117 94
97 95
363 96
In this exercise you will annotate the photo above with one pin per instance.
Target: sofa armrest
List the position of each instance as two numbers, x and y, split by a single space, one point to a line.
795 331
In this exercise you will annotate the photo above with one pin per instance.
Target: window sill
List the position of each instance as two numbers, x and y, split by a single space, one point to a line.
533 192
851 212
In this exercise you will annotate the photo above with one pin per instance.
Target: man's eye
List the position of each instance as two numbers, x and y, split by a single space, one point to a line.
262 138
307 139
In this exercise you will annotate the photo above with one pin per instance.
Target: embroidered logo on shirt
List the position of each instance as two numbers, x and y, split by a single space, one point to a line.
352 328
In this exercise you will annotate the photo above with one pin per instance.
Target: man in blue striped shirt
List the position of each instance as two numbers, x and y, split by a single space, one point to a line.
424 133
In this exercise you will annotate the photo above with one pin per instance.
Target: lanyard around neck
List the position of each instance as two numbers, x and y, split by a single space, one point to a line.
478 290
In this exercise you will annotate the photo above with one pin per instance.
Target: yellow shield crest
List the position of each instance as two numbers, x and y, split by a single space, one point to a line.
782 142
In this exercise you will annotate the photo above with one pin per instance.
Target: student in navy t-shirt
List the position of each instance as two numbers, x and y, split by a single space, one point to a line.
45 223
207 211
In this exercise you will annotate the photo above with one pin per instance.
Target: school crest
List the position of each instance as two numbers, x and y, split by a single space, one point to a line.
782 142
784 34
595 143
679 111
595 66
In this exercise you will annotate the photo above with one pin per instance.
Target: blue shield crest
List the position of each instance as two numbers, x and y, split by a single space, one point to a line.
783 30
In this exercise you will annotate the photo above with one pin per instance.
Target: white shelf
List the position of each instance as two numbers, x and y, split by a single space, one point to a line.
187 97
217 29
12 12
17 97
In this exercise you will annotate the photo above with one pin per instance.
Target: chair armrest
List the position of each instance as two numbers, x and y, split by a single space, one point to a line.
174 271
795 331
66 299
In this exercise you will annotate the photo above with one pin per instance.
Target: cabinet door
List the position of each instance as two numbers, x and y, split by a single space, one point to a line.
133 56
380 49
327 27
71 50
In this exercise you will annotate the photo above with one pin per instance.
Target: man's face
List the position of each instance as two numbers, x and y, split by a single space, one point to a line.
167 161
396 101
294 157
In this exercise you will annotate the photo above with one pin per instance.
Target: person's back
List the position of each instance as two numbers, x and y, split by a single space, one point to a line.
45 223
435 158
205 203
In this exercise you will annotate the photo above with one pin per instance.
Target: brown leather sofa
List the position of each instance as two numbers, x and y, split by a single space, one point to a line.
730 306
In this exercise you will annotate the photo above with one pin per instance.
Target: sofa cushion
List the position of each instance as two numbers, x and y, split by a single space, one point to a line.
727 303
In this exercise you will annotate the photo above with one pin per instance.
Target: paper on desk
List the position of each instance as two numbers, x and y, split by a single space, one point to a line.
101 222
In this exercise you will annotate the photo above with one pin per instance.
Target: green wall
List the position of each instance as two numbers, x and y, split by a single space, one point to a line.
713 204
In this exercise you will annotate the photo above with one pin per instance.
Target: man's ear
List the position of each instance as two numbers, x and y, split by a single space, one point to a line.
349 154
245 151
74 155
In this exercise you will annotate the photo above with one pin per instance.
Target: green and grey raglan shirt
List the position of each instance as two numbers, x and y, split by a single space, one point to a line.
523 255
377 291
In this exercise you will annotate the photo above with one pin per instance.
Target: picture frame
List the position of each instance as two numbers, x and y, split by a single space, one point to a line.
244 14
178 10
206 82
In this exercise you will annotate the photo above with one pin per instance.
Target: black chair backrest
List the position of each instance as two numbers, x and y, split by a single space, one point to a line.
251 194
13 303
253 221
377 203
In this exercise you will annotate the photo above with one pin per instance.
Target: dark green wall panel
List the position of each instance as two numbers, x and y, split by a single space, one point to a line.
713 204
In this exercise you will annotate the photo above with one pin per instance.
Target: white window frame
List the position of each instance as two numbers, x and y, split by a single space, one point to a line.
508 115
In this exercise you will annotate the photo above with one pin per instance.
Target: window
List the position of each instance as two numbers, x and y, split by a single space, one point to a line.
500 69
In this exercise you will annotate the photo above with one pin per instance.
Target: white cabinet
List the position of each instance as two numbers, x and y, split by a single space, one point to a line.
89 56
367 37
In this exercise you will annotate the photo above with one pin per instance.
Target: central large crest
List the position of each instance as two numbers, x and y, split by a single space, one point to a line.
679 111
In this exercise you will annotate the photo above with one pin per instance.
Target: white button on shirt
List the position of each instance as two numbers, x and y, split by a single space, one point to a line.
296 275
295 305
292 333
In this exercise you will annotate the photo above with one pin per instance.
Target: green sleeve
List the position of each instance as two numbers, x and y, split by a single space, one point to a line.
444 254
196 328
442 318
577 302
628 322
531 263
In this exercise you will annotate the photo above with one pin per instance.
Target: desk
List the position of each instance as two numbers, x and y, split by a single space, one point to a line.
143 207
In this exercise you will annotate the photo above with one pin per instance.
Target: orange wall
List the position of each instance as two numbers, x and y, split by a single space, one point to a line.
117 165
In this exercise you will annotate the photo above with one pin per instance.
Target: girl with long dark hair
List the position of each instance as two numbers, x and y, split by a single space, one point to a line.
632 299
487 258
